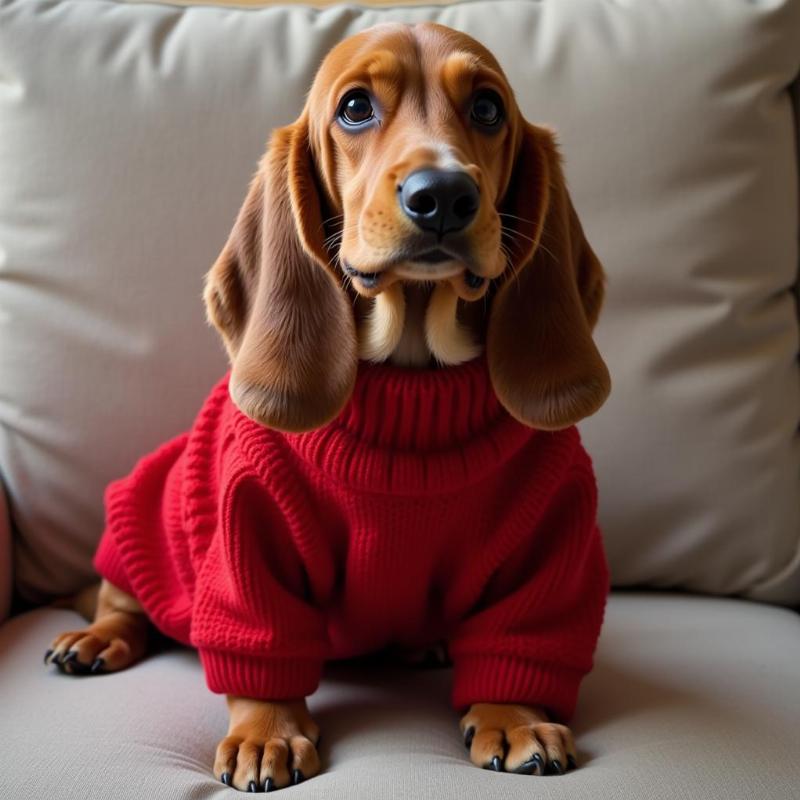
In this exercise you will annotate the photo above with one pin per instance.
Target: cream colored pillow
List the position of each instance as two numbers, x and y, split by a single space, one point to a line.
128 133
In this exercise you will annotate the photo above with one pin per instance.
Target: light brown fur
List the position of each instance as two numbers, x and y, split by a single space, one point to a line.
294 328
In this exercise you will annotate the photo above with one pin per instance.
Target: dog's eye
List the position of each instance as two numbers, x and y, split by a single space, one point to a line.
356 108
487 109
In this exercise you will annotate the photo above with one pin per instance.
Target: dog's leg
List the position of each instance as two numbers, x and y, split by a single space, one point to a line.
269 745
116 639
516 738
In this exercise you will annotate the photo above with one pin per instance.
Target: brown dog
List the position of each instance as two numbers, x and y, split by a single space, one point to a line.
409 188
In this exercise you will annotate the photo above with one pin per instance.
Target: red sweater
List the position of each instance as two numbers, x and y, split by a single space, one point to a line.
423 512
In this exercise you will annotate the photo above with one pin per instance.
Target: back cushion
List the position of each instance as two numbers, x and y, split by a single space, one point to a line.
5 557
128 134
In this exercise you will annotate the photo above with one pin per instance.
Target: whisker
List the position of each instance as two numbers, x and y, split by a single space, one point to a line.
514 216
341 233
513 234
330 220
544 247
346 279
510 262
540 244
332 265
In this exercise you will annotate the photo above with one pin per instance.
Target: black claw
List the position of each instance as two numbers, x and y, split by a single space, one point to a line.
534 766
72 666
97 665
556 768
297 777
469 736
496 764
251 787
571 762
47 656
269 785
226 778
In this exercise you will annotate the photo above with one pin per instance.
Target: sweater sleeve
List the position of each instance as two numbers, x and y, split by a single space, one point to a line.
533 636
253 622
143 548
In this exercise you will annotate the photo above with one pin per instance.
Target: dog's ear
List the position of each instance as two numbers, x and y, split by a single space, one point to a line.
283 316
544 365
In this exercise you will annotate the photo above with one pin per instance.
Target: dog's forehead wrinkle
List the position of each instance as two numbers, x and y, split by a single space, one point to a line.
421 83
383 65
466 63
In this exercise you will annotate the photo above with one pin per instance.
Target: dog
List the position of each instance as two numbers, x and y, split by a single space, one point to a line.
407 299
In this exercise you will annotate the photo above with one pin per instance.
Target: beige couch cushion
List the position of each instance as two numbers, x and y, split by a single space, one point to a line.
126 144
690 698
5 556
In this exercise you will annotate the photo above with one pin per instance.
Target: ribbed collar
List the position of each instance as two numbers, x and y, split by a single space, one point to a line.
409 431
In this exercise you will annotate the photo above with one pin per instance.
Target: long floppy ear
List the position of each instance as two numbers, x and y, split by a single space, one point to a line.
544 365
283 316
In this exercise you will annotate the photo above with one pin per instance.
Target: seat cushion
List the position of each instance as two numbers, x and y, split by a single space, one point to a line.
126 145
690 698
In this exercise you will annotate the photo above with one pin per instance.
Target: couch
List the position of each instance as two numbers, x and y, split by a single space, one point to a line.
128 133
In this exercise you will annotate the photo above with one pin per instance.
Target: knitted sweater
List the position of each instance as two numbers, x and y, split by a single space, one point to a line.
423 512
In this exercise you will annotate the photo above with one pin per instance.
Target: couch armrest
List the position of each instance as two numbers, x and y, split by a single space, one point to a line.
5 555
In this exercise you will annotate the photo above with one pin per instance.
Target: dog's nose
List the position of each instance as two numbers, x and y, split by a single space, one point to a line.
440 200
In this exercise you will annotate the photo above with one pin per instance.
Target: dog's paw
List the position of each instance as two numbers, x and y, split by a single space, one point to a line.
268 746
516 738
112 643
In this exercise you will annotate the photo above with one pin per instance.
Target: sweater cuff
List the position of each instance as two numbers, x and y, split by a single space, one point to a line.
260 678
108 563
505 679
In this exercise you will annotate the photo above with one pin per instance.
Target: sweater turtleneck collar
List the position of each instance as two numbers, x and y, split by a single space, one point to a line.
411 430
421 410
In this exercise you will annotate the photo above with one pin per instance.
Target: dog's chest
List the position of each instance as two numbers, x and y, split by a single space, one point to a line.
399 570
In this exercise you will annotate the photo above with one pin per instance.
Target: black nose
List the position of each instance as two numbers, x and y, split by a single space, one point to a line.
440 200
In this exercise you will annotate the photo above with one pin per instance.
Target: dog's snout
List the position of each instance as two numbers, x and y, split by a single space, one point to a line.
439 200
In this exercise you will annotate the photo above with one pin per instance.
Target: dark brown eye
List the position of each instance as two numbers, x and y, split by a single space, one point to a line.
487 109
356 109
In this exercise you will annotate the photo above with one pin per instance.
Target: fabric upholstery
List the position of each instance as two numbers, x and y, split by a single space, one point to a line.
690 698
5 556
126 145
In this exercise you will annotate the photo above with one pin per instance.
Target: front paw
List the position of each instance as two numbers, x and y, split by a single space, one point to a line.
268 746
516 738
111 643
